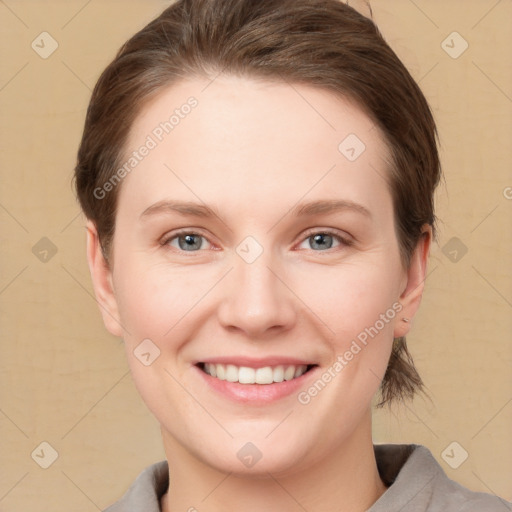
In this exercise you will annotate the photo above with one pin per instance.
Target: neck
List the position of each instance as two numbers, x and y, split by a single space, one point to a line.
346 480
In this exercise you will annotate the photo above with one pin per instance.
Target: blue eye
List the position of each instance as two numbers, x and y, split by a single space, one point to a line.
319 241
187 241
324 240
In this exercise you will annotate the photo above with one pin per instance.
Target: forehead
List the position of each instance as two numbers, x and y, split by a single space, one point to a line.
268 141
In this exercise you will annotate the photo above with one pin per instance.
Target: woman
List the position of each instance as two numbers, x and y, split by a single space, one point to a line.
258 180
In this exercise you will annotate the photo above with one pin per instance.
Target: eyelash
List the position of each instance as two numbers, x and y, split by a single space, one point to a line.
343 240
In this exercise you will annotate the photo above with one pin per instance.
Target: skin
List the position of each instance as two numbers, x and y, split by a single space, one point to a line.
253 150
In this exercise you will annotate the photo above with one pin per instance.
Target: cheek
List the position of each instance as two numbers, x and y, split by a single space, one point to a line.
157 301
156 304
153 299
351 297
358 303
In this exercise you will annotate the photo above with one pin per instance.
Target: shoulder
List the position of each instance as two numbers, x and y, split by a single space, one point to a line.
145 492
418 483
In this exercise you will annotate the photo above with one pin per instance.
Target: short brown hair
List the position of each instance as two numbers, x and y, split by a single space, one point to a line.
321 43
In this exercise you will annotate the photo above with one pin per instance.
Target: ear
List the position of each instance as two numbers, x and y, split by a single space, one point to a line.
101 275
416 275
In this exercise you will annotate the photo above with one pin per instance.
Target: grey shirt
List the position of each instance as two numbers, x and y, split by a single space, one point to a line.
415 481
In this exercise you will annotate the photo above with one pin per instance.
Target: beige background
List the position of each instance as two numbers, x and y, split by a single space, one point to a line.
65 380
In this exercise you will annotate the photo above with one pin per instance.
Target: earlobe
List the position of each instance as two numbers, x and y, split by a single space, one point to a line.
101 275
416 275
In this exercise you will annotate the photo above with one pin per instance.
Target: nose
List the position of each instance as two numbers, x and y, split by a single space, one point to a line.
256 298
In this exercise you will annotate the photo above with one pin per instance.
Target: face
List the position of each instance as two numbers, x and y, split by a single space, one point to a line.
254 242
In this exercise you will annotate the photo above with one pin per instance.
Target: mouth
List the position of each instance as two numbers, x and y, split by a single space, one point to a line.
264 375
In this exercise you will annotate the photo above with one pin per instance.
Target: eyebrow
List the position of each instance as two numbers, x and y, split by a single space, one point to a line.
190 208
329 206
183 207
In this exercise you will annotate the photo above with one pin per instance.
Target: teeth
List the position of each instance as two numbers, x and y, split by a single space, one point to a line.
218 369
246 375
278 374
262 375
289 373
231 373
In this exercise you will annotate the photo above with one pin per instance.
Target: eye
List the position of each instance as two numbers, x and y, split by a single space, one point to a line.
188 241
324 240
319 241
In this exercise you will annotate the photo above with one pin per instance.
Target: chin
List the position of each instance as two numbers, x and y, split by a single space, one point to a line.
257 458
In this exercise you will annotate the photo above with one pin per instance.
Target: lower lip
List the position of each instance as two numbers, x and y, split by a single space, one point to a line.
256 394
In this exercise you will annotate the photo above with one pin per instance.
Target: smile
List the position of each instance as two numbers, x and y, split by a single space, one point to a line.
247 375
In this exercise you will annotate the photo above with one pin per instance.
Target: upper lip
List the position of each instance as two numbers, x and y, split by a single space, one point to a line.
251 362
